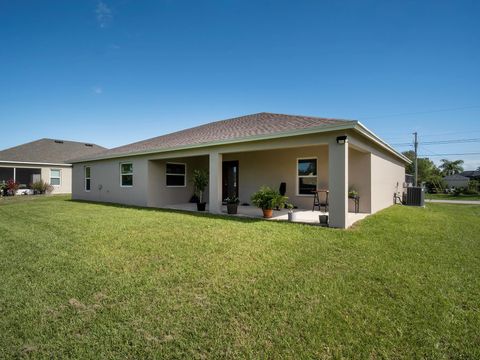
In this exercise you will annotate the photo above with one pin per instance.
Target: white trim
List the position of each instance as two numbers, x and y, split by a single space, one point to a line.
120 170
35 163
372 136
297 193
59 177
85 178
184 175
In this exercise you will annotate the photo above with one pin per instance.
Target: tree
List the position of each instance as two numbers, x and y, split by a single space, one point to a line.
426 167
451 167
428 172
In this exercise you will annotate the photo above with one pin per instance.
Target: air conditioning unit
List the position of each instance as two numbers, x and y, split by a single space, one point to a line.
415 196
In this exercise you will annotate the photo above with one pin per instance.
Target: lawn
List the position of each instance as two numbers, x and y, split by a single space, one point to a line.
452 197
82 280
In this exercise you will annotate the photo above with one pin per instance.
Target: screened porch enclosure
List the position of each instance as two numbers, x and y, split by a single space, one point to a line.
23 176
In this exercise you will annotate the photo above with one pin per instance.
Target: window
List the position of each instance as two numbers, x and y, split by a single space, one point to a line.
55 177
307 176
87 178
175 174
126 174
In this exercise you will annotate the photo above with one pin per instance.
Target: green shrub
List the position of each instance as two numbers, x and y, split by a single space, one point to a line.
41 187
267 199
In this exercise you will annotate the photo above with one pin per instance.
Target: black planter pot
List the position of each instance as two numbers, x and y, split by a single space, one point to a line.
232 208
201 206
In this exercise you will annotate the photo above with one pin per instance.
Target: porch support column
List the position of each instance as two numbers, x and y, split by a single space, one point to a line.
215 183
338 183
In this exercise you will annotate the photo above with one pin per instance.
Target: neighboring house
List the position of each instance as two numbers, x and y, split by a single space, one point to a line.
44 159
243 153
456 181
462 179
471 174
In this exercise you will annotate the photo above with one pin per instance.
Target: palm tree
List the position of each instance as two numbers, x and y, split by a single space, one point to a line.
451 167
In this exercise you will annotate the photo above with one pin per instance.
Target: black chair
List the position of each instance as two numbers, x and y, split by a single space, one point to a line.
282 190
320 202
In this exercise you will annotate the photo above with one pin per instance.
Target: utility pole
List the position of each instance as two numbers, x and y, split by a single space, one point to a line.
415 145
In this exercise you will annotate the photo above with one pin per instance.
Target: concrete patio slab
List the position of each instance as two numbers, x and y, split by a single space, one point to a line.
302 216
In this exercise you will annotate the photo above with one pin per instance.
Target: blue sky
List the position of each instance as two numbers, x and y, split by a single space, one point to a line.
114 72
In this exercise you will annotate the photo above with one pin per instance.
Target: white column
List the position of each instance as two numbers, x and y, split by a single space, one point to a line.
15 174
215 183
338 184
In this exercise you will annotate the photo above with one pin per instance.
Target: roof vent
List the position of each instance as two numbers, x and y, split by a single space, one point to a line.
59 141
89 145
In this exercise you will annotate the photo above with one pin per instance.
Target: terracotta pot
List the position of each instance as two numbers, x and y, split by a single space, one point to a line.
267 213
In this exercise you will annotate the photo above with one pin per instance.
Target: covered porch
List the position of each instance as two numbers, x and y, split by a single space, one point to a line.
295 167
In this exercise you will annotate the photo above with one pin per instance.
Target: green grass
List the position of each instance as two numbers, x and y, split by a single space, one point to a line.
452 197
82 280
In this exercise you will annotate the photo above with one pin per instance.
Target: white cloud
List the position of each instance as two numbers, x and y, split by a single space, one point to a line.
104 15
97 90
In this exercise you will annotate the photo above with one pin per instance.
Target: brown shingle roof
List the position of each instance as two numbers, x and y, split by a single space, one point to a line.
49 151
244 127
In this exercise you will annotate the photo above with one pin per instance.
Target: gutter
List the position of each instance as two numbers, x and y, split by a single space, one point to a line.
34 163
372 136
318 129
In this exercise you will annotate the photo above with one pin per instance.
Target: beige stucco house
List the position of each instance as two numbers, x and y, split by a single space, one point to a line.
244 153
43 159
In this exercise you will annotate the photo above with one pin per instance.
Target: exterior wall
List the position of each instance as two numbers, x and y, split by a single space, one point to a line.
65 186
359 178
158 192
275 166
105 182
387 173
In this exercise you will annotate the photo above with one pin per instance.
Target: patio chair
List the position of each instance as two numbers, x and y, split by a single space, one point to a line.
282 190
319 200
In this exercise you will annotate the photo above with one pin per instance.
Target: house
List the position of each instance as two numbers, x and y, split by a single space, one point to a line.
44 159
471 174
240 155
456 181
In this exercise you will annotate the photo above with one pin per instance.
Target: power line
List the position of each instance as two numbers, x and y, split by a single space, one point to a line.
440 142
423 112
457 154
456 141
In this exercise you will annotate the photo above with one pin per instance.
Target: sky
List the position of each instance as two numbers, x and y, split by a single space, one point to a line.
115 72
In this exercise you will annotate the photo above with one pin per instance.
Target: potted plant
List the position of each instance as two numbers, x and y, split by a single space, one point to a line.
200 182
291 214
232 204
323 219
352 193
268 199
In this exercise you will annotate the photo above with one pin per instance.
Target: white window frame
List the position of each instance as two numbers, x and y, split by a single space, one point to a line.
184 175
121 174
297 192
59 176
87 178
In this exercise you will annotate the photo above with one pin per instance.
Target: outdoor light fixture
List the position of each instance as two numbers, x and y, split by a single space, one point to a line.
341 139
